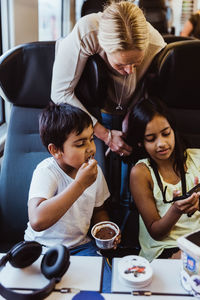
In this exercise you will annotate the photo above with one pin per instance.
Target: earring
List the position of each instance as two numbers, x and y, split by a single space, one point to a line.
139 144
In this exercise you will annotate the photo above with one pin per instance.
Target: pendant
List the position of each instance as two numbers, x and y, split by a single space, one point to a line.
119 107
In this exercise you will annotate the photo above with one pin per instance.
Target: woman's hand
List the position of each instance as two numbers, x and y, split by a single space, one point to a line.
117 143
114 139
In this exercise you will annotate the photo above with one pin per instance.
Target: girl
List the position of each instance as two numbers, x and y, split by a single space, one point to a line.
165 170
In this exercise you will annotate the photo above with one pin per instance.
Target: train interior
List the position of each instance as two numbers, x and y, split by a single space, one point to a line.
25 81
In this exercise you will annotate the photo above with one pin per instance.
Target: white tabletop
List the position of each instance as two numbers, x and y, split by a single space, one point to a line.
166 279
84 273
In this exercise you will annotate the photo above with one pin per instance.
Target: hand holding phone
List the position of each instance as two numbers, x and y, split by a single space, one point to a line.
195 189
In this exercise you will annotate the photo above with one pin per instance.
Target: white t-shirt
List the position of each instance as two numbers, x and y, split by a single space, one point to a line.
71 230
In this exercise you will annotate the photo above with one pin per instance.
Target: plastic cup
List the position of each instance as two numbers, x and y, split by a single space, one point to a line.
104 234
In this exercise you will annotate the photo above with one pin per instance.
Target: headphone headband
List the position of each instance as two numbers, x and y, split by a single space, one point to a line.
53 266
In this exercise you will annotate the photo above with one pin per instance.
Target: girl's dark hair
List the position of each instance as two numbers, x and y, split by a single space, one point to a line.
142 113
57 121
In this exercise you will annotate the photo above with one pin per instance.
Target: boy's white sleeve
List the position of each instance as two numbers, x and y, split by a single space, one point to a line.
102 192
43 184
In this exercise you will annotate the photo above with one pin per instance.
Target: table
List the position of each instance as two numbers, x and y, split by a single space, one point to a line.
166 278
84 273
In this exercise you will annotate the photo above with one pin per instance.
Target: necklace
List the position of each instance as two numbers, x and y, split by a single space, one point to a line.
119 99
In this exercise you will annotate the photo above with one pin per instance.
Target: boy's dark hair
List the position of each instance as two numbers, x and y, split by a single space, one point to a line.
142 113
57 121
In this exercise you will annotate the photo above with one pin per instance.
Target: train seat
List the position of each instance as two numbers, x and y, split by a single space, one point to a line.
170 38
174 76
156 14
91 6
25 81
177 84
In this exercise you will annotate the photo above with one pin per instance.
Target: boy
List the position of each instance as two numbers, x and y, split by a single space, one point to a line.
68 190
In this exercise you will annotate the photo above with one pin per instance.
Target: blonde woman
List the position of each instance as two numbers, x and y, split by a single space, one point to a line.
127 43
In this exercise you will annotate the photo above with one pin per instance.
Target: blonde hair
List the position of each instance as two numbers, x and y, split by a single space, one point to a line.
123 27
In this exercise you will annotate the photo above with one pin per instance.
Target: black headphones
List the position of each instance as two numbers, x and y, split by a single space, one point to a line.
53 266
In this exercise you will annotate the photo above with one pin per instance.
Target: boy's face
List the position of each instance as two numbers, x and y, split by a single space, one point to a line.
77 149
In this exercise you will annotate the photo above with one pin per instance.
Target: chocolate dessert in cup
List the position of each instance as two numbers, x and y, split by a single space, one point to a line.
104 234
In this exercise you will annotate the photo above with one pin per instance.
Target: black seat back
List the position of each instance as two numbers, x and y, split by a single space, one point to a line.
178 81
170 38
155 13
25 81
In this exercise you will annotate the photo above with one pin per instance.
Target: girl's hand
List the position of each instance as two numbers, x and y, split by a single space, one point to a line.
196 180
87 173
189 205
176 255
117 241
178 193
117 143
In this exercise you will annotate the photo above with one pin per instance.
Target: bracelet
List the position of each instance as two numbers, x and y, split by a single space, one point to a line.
109 137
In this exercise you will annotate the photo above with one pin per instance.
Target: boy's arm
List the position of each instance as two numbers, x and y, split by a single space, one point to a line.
100 214
102 194
44 213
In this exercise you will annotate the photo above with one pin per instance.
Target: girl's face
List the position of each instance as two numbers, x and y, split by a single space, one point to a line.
124 62
159 139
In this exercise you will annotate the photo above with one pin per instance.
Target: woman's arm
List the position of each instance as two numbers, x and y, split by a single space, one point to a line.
71 56
187 29
141 186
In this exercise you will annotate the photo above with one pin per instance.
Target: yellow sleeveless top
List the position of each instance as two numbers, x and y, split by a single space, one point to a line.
151 248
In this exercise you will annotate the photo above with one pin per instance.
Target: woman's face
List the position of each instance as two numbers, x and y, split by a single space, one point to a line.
124 62
159 139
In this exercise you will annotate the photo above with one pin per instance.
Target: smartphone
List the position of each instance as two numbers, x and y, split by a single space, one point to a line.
195 189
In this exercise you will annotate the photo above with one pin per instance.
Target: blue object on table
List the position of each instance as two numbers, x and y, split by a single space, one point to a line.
89 295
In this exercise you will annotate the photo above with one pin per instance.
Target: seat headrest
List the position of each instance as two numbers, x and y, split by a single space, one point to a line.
170 38
91 89
25 74
178 67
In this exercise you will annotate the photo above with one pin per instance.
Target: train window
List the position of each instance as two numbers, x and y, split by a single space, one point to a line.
49 19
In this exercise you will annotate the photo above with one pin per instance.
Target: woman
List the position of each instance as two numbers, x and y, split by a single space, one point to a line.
192 26
127 43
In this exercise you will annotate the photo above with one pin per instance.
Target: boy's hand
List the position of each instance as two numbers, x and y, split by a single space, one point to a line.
87 173
117 240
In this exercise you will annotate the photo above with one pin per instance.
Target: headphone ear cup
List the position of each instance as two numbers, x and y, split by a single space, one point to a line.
55 262
24 254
